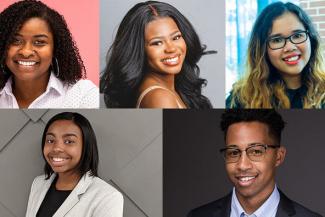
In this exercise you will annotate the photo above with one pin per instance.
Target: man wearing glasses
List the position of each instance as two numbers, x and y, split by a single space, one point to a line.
253 152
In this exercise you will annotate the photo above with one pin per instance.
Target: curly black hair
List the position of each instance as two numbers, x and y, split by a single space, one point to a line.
270 117
65 50
127 60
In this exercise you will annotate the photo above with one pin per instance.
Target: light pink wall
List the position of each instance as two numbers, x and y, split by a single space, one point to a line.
82 17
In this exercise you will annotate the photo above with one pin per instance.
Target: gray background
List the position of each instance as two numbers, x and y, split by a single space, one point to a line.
194 171
130 151
208 19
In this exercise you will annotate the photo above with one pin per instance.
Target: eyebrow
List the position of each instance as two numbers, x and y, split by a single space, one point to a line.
280 35
34 36
161 37
64 135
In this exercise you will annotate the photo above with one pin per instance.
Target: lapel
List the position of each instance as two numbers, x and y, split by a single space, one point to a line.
75 195
285 207
225 207
42 192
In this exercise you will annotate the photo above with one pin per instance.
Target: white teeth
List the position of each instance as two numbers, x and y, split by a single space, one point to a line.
171 60
26 63
57 159
294 58
246 179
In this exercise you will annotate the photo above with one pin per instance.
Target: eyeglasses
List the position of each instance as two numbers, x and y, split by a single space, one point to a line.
255 152
278 42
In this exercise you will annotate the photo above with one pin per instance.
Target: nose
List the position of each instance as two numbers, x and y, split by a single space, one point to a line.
244 163
289 46
27 50
170 47
58 146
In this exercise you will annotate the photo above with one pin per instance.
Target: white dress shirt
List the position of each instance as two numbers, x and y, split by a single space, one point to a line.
83 94
268 208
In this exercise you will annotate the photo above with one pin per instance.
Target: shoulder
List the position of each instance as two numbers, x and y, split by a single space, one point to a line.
215 208
289 205
83 94
39 180
104 189
159 98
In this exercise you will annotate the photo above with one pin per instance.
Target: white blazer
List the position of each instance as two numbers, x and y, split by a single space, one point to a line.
92 197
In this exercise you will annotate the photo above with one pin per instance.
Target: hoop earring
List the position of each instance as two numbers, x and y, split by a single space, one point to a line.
56 67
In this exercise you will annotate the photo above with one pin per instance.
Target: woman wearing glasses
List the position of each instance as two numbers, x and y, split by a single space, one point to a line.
284 62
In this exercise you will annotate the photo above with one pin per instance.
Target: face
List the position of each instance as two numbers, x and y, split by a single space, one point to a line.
252 179
165 46
291 59
63 147
30 54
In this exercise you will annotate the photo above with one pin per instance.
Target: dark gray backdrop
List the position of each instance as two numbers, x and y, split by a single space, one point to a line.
193 169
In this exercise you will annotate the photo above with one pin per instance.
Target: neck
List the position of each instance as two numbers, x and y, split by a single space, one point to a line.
292 82
27 91
251 204
167 81
67 181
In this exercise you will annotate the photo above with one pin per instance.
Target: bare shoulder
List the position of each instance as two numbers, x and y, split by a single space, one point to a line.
159 98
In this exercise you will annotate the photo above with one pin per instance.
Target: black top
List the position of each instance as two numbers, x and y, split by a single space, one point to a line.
295 96
52 201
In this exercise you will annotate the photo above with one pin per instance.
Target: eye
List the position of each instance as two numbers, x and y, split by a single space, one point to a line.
233 153
256 151
39 43
156 43
177 37
298 35
68 141
49 141
276 40
17 41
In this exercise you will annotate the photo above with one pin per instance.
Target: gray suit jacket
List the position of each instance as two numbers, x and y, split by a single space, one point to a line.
222 208
92 197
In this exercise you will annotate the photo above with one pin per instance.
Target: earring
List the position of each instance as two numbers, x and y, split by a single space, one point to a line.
56 67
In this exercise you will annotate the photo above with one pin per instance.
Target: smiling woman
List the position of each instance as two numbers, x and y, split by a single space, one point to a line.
284 62
152 62
40 66
71 186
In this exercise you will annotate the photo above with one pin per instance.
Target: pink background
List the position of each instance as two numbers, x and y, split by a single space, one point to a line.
82 17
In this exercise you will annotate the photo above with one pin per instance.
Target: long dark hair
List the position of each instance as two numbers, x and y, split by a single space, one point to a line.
127 60
71 66
89 155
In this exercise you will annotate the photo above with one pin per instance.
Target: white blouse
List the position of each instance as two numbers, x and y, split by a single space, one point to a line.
83 94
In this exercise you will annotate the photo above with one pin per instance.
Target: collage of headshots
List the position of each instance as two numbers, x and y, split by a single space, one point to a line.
168 108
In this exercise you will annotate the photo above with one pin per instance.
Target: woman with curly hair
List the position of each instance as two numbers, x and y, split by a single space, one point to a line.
152 62
284 62
40 65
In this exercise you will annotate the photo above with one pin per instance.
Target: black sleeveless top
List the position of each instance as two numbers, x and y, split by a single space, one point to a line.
52 201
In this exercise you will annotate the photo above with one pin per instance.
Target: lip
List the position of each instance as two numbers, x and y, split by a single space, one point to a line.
247 180
26 63
292 59
172 60
57 160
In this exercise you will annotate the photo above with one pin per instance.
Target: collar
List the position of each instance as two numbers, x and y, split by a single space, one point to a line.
268 208
54 83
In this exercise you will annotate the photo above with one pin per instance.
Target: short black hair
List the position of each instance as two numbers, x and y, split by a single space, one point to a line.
270 117
89 156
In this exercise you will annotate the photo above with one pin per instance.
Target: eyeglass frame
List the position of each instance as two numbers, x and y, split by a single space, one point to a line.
265 146
288 38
